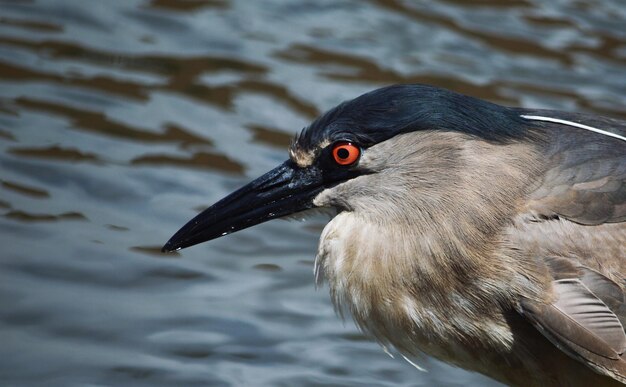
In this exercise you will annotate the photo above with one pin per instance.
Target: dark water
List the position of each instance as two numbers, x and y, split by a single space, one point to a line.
119 120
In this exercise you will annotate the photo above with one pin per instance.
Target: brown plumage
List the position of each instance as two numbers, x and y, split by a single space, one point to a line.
487 237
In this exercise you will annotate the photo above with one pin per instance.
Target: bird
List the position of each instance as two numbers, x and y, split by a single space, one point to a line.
490 237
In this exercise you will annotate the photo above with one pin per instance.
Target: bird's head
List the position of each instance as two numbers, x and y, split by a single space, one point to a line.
364 152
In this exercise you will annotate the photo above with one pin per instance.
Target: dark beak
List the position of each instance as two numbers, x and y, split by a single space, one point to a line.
284 190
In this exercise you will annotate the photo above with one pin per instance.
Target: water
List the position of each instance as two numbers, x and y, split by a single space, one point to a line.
120 120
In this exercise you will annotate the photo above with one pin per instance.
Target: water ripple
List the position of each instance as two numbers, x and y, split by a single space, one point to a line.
121 120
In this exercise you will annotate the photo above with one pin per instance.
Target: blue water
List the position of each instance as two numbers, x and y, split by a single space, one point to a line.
120 120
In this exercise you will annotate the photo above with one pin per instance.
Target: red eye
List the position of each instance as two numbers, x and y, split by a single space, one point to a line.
345 153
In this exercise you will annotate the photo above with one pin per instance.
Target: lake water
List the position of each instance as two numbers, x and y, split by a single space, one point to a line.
120 120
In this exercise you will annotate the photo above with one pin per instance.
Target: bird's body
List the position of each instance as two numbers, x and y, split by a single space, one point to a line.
480 240
465 230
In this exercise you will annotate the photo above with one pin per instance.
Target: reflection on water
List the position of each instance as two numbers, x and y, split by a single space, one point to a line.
120 120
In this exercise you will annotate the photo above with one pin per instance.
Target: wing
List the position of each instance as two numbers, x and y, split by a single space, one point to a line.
585 180
585 318
577 227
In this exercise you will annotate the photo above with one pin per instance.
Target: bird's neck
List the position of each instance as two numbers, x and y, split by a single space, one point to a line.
437 267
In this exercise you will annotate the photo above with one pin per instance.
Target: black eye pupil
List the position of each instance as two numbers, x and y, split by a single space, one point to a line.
343 153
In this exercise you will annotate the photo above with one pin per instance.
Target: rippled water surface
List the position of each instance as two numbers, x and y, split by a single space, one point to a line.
119 120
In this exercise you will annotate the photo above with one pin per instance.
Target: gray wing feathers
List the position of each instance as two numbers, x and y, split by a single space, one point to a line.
600 330
581 324
600 285
606 290
585 180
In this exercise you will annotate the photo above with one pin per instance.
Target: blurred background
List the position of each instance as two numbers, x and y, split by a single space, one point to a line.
120 120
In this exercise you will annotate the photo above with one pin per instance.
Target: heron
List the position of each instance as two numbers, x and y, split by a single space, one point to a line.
490 237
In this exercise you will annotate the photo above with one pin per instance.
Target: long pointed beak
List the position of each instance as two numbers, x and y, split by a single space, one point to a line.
284 190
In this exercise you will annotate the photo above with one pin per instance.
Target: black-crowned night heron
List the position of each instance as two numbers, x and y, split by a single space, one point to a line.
490 237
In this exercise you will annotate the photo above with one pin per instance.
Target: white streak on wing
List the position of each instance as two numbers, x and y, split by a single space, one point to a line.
575 124
414 365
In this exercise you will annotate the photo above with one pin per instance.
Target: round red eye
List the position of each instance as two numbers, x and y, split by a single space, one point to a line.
345 153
